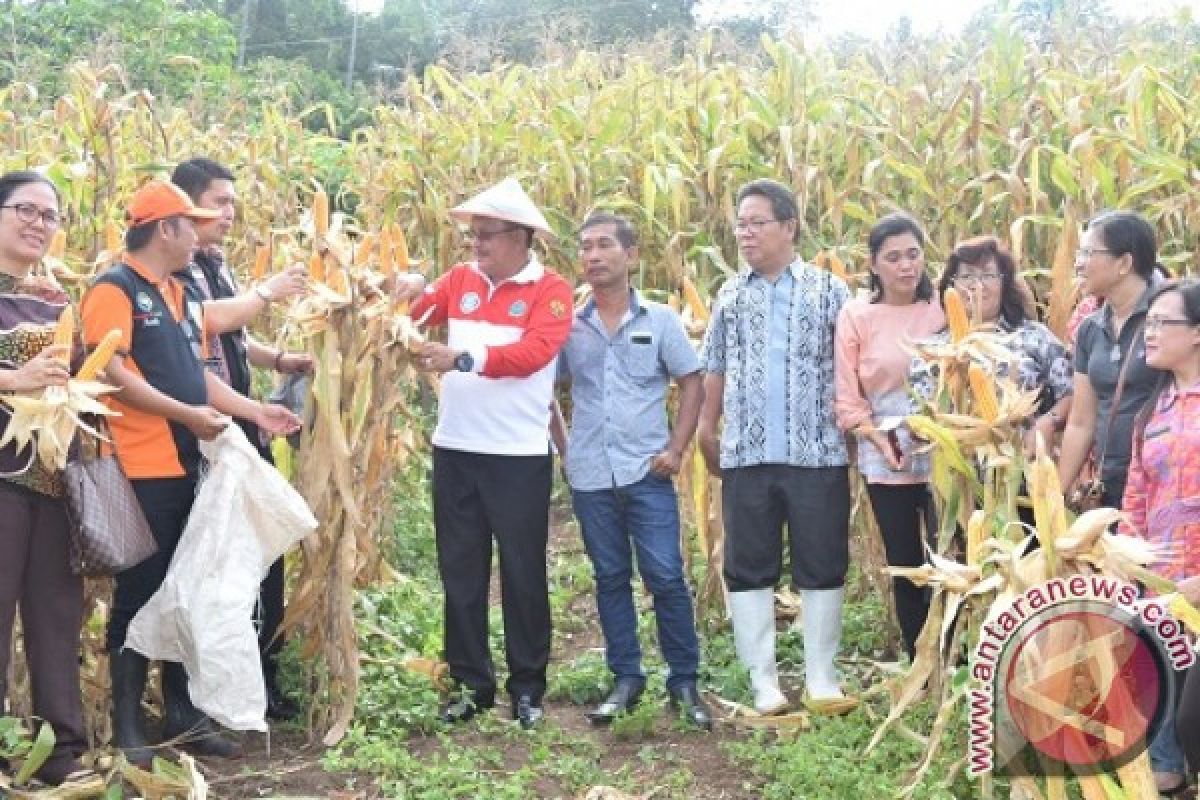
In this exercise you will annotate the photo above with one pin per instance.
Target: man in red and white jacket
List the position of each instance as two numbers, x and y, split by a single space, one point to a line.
507 317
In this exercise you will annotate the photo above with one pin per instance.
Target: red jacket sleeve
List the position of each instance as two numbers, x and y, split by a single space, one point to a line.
436 297
547 331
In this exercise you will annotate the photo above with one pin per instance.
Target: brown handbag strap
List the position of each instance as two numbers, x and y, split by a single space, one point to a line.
1116 403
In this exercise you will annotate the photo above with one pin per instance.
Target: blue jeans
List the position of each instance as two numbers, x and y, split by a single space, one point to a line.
1166 754
645 516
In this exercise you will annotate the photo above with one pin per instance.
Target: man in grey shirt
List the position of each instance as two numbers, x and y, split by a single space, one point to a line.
621 455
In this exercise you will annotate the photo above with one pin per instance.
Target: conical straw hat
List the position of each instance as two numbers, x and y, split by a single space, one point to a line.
507 201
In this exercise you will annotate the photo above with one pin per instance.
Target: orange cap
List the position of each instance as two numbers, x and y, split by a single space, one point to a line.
160 200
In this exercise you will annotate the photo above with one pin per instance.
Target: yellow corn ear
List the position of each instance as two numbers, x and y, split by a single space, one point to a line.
262 260
1137 779
337 281
976 536
316 267
112 237
58 245
984 393
400 243
837 266
1185 612
694 301
366 245
387 251
64 332
320 212
956 315
100 356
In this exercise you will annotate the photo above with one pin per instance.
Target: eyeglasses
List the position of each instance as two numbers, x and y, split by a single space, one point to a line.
29 214
978 279
1086 253
756 225
487 236
1155 324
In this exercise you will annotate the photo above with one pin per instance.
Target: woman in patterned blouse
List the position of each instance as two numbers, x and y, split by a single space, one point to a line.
982 269
34 565
1162 494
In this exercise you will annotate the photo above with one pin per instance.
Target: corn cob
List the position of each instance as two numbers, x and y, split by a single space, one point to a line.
262 260
386 252
316 267
984 393
694 302
100 356
58 245
112 238
976 535
956 315
64 333
337 281
362 252
320 211
400 243
1185 612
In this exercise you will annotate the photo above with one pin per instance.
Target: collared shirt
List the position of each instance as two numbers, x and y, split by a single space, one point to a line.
1162 496
738 344
1099 354
619 389
513 331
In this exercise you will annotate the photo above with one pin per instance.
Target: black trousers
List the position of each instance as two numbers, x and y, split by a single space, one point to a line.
36 577
1187 718
476 497
814 503
166 502
899 510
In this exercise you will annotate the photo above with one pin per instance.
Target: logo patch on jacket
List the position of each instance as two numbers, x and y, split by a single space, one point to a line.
469 303
144 302
518 308
557 309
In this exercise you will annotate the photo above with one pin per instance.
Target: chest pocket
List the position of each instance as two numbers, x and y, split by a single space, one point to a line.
642 355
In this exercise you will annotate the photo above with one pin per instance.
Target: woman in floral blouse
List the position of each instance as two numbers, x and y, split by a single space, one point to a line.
982 269
35 570
1162 493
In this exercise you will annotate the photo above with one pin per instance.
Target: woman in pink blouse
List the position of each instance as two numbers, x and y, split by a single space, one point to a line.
1162 493
871 365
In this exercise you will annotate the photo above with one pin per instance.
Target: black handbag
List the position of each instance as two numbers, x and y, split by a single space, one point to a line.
109 532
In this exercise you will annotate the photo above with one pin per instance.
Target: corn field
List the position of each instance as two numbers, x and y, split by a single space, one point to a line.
1017 139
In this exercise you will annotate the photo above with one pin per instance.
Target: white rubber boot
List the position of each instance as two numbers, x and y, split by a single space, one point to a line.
753 615
822 635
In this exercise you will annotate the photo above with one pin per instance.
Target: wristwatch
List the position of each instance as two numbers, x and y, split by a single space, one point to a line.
261 291
463 362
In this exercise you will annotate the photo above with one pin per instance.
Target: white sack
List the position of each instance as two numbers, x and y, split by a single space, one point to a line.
244 518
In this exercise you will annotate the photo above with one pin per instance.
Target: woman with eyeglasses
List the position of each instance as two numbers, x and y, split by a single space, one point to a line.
983 271
1116 260
871 399
1162 495
35 571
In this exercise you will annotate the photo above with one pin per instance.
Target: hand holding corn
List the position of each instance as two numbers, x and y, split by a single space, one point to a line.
44 369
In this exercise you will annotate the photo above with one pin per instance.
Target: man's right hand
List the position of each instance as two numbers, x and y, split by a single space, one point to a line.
407 287
205 422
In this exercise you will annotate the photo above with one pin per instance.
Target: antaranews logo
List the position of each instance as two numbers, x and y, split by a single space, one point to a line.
1074 676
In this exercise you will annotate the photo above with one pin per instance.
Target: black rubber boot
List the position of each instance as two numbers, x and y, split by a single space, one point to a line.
127 670
185 724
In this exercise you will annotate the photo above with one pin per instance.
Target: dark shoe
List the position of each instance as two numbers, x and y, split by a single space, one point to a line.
127 671
280 708
464 708
187 726
528 712
624 696
59 769
686 702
